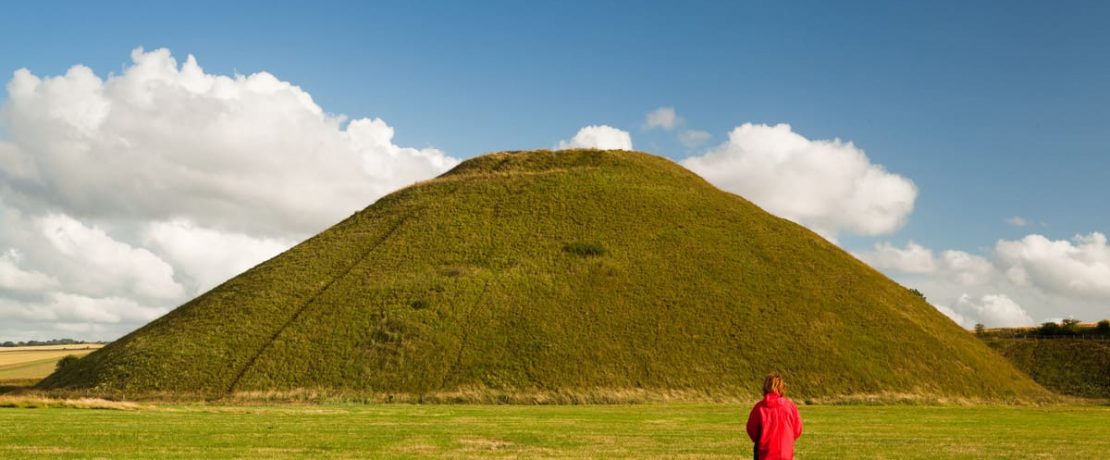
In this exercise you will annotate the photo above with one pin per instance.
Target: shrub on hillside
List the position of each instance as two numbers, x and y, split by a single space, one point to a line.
1103 327
66 361
585 249
919 294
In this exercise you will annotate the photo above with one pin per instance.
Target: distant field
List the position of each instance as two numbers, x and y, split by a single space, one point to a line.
637 431
32 363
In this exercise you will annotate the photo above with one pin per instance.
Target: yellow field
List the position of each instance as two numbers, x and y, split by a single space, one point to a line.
26 363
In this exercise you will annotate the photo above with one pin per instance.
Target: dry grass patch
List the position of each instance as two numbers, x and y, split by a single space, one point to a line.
482 395
925 399
38 402
478 443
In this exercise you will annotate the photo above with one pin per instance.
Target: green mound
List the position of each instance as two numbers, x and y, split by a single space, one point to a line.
556 271
1071 366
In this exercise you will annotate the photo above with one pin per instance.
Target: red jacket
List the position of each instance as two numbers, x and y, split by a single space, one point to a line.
773 425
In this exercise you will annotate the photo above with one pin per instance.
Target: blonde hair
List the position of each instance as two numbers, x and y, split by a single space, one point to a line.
774 383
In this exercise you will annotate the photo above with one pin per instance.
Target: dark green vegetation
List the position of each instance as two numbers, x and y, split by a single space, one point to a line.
1068 365
556 271
1065 328
66 361
641 431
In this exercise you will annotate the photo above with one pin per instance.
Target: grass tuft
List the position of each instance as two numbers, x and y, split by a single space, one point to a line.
585 249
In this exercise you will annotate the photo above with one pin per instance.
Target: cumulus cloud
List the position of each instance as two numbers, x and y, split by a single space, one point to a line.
16 279
914 258
74 309
967 269
1018 282
601 137
122 196
663 118
959 266
163 141
100 265
955 317
1079 268
692 138
208 257
992 310
829 186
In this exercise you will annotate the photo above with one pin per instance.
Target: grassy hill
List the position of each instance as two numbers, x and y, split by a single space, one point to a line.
1068 365
556 271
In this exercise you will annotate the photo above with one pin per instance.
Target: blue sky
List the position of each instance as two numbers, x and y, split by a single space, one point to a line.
992 109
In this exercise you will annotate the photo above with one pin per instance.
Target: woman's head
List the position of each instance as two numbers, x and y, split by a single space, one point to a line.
773 383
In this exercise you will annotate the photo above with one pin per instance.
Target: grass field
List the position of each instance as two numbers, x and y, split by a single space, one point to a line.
629 431
33 363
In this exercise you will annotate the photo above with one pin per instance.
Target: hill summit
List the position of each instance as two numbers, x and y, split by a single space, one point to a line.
550 271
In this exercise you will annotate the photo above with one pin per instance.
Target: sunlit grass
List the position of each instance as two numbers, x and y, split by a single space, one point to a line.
617 431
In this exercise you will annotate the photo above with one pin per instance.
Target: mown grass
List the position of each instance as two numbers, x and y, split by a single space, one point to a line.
1071 366
27 363
615 431
556 271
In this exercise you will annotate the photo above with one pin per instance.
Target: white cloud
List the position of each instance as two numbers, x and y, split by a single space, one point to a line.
209 257
15 279
1047 278
77 308
663 118
993 310
73 308
1077 268
602 137
827 185
692 138
667 119
955 317
101 265
964 268
125 195
14 164
1017 221
967 269
913 259
162 141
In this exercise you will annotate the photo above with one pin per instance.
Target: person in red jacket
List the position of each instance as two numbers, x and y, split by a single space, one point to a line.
774 422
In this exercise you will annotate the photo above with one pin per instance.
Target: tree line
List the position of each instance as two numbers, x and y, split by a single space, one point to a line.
1069 327
35 343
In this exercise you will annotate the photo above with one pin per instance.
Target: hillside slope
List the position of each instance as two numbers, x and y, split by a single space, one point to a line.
556 270
1071 366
